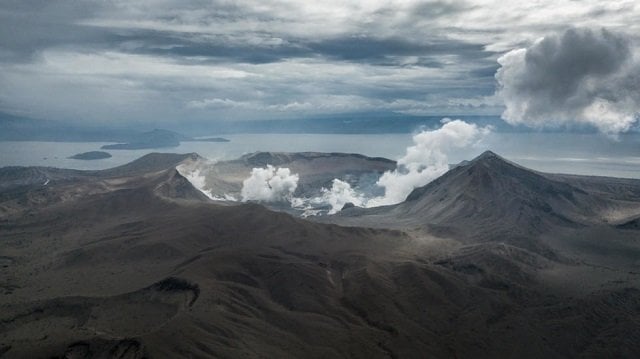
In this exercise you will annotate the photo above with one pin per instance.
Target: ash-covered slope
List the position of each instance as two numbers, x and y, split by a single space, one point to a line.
142 266
151 162
490 199
500 198
17 176
23 189
493 199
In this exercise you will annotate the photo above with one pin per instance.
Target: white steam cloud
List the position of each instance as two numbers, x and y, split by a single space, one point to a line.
340 194
582 76
269 184
426 160
197 179
196 173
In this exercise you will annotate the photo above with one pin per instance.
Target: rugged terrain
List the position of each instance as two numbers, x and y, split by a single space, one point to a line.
493 199
490 260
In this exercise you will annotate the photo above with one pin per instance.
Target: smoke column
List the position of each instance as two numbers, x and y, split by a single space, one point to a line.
426 159
269 184
340 194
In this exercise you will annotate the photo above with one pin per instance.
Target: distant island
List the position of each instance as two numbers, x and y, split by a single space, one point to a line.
138 146
91 155
17 128
211 139
158 139
152 139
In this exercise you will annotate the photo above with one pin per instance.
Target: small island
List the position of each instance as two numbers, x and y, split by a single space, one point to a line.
211 139
91 155
158 138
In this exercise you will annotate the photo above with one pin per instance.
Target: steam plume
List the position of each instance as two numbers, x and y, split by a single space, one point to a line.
269 184
340 194
426 160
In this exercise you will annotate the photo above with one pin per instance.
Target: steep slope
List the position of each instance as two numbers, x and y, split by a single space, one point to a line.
151 162
23 189
490 198
494 197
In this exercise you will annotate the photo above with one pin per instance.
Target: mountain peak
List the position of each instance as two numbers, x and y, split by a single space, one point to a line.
487 155
496 198
486 170
490 159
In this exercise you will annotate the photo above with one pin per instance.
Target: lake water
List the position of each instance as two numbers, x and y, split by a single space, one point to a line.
590 154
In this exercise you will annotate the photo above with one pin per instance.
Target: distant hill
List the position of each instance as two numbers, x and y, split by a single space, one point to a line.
377 122
17 128
211 139
349 123
152 139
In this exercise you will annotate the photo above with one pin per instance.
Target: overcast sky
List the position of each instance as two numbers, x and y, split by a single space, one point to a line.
182 60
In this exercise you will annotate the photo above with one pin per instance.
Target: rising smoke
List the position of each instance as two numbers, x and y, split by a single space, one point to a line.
426 160
269 184
580 77
340 194
197 179
194 173
197 173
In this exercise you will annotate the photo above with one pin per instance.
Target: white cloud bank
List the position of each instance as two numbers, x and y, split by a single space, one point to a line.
580 77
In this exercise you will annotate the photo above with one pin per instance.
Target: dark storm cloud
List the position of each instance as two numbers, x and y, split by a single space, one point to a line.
26 27
166 59
356 48
387 52
434 9
381 51
580 76
484 72
223 51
